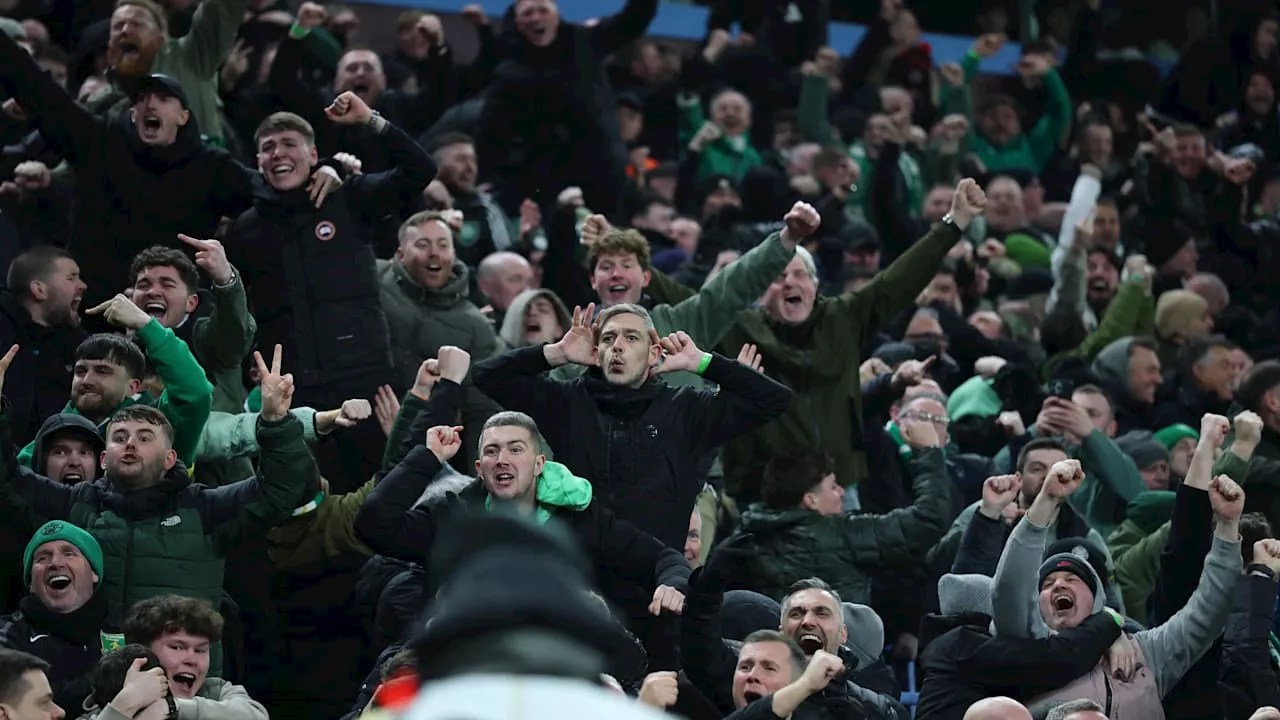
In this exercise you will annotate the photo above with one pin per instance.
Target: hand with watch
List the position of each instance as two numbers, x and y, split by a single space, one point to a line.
968 202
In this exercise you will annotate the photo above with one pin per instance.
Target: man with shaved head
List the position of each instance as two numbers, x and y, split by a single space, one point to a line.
997 708
500 278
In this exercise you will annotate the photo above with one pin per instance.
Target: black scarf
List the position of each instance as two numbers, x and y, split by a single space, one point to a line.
80 626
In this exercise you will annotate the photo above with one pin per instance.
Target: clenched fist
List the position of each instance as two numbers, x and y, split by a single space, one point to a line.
1063 479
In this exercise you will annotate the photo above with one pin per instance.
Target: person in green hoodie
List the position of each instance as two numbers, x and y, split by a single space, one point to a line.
814 345
997 136
514 476
723 144
109 370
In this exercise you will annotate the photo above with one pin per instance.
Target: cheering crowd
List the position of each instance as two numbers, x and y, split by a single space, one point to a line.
596 376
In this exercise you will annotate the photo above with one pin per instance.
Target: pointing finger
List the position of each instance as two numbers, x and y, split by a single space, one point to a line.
100 308
193 242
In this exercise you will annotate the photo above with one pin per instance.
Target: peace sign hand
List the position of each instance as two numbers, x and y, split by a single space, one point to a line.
212 258
277 389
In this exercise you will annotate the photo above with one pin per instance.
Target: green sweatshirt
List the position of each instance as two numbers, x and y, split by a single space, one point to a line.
818 359
187 397
732 156
1032 149
222 340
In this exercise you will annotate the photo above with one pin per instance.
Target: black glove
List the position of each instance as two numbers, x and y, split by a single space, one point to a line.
725 558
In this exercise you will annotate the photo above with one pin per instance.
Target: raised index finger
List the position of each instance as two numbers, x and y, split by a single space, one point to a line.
276 358
193 242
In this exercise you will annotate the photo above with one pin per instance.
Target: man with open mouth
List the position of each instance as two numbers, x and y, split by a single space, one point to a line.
181 631
311 270
812 618
1035 598
142 176
815 345
139 45
515 477
146 512
60 621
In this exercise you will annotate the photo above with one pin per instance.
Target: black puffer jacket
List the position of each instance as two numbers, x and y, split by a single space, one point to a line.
131 196
548 121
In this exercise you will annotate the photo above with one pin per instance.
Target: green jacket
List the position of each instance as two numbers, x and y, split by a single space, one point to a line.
1032 149
709 314
313 540
1131 313
1111 481
232 436
193 60
170 537
1137 557
726 156
187 395
847 549
221 340
819 359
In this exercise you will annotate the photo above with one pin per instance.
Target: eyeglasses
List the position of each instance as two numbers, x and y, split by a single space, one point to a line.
918 416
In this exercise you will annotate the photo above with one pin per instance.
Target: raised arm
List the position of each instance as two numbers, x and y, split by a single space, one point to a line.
1172 648
286 468
227 436
224 338
188 396
380 194
518 380
707 316
390 521
896 287
213 32
627 25
1014 603
904 534
983 539
71 130
746 398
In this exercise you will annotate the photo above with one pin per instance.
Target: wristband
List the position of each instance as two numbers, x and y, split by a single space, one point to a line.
1261 569
706 362
1114 616
377 122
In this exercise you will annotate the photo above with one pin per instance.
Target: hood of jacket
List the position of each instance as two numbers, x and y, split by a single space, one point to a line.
64 424
512 331
455 292
760 519
558 489
144 502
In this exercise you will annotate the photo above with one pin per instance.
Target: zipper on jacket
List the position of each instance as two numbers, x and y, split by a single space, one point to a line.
1107 680
128 569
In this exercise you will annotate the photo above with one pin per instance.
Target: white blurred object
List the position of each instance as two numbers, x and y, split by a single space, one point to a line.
522 697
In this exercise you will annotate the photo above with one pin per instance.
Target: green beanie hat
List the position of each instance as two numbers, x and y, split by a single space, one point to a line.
1171 435
61 530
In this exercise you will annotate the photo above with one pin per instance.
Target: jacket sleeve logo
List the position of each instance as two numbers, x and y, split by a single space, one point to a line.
325 230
